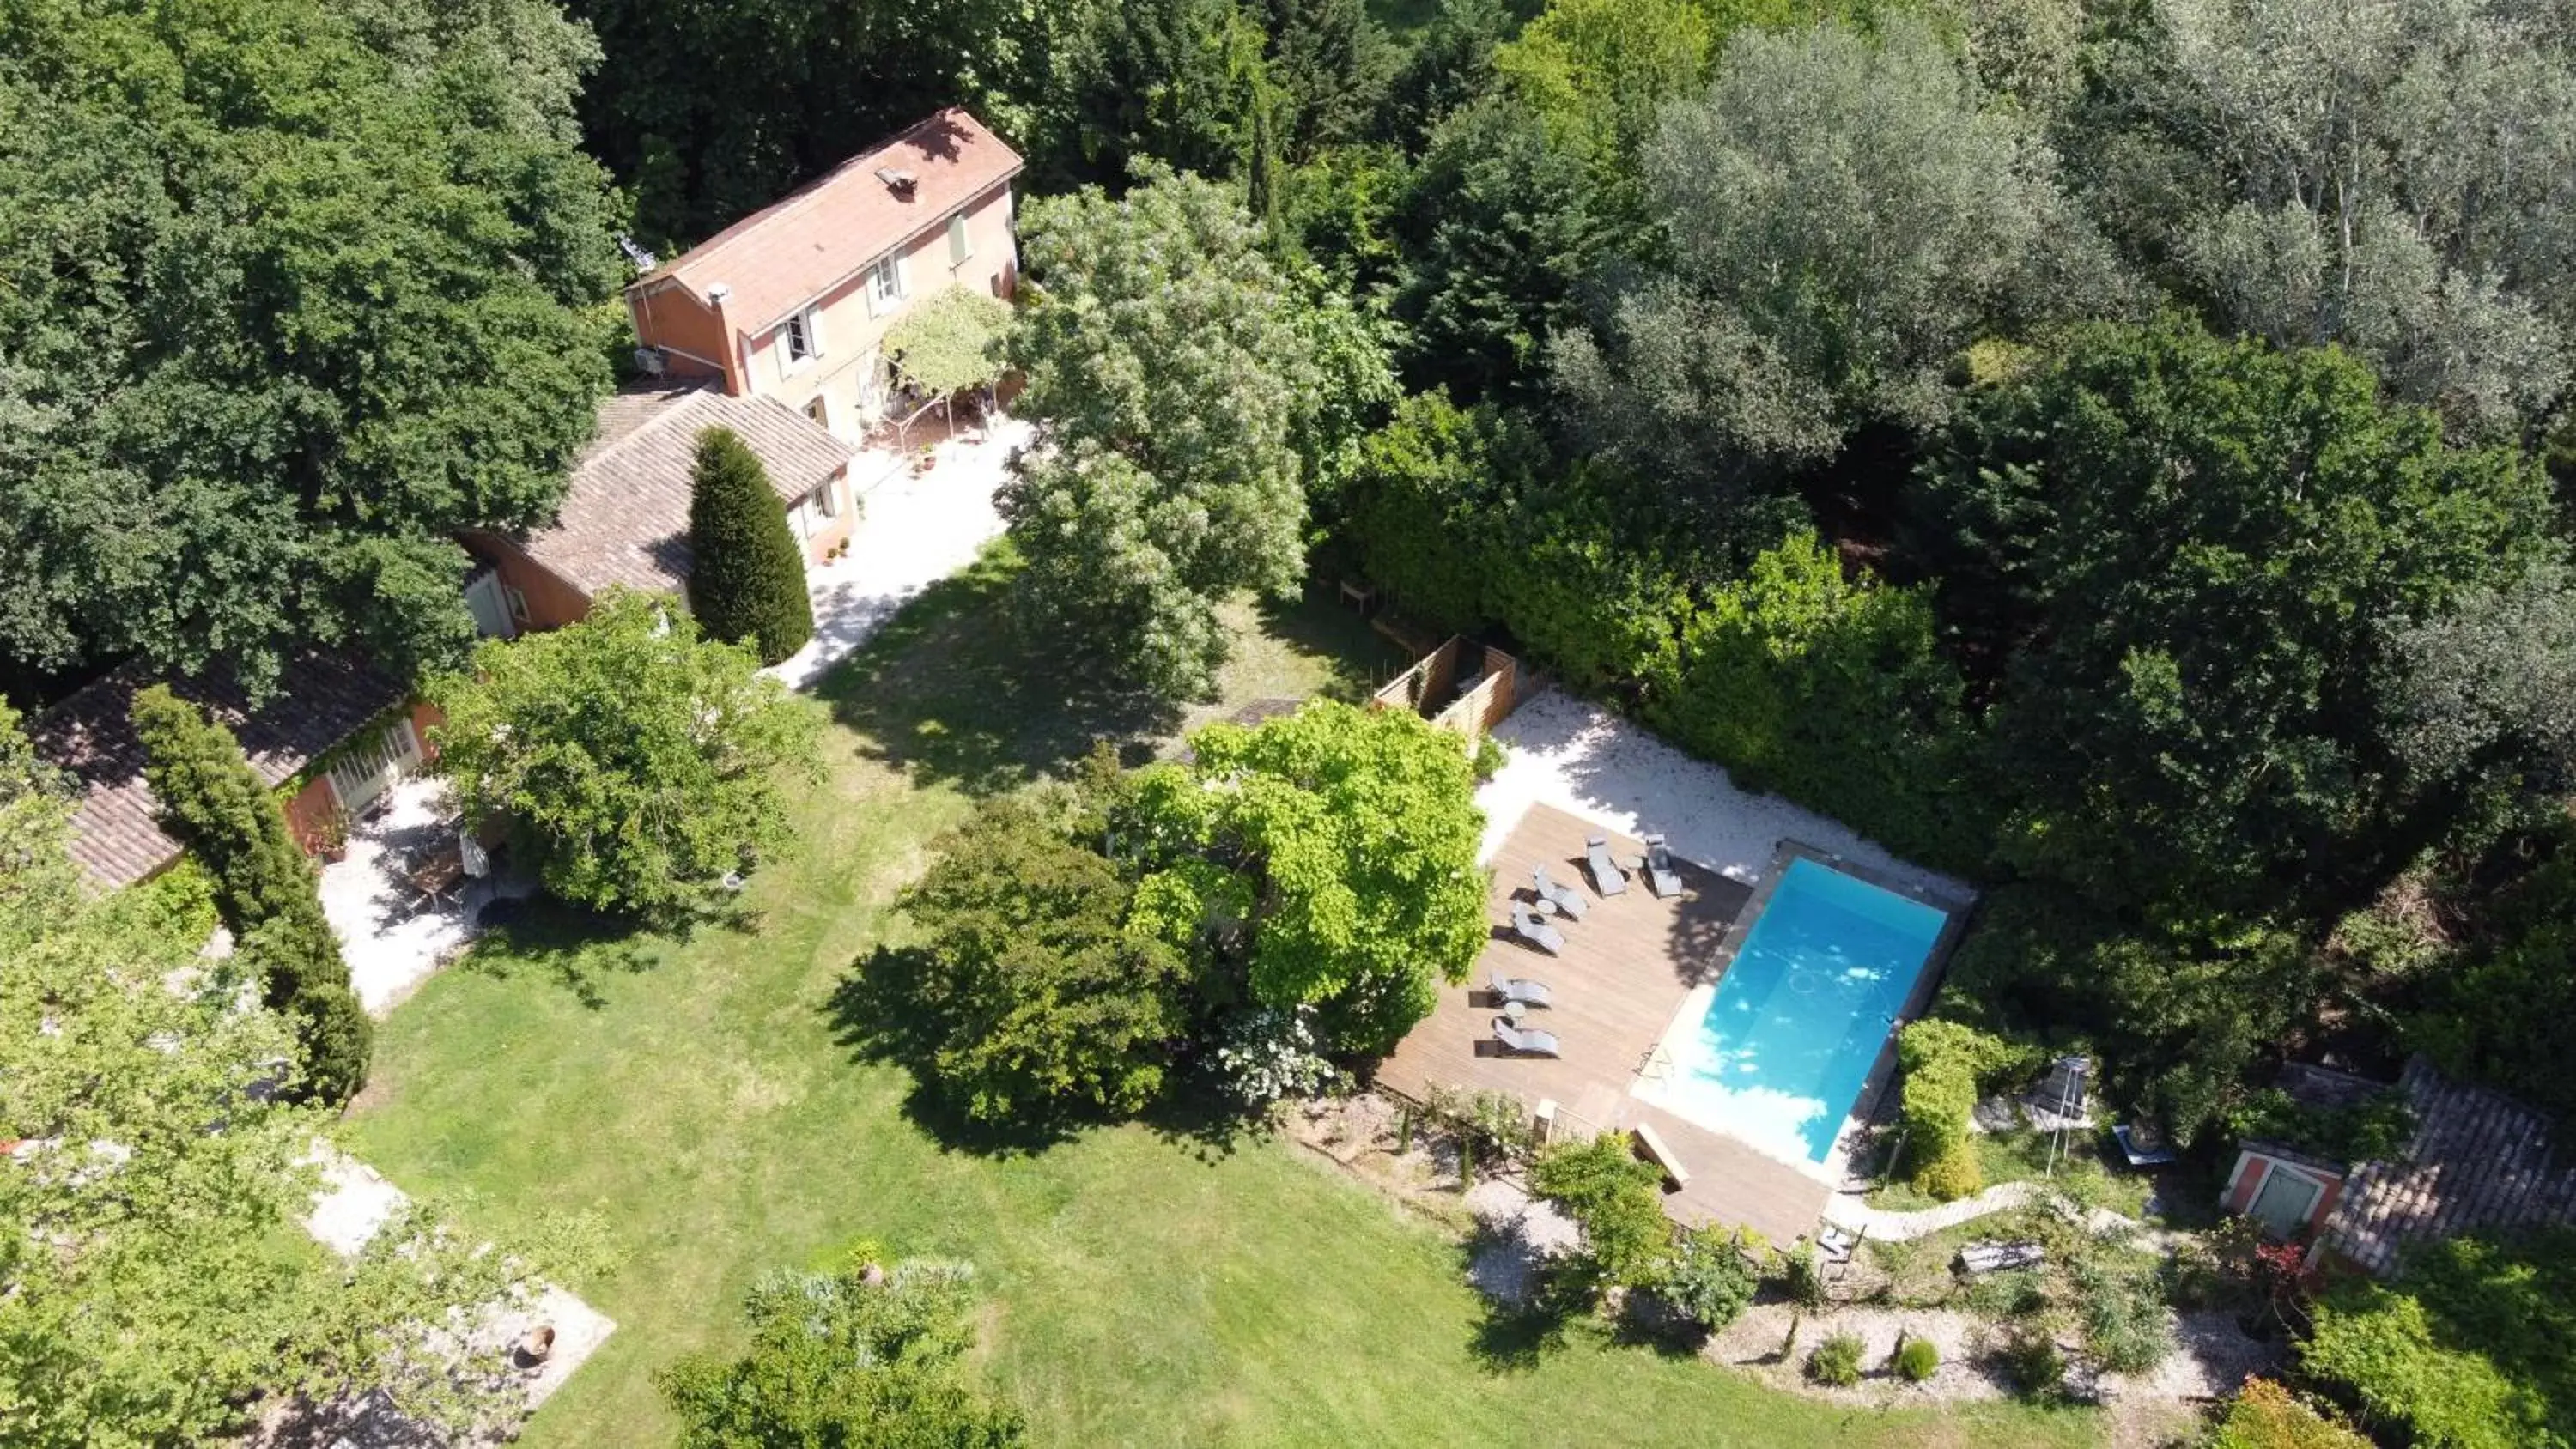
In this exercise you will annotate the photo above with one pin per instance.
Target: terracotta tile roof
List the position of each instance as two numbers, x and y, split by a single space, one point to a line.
322 698
625 519
782 256
2478 1160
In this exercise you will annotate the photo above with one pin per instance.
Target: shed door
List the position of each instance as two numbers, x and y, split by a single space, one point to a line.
375 761
491 610
2282 1207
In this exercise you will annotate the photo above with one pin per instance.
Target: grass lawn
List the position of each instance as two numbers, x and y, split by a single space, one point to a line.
1143 1287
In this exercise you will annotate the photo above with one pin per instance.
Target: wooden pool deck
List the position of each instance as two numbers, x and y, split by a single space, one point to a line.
1625 969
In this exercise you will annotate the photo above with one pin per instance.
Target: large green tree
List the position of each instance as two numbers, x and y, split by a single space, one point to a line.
158 1282
1173 379
638 764
1343 841
711 112
2399 178
1033 992
746 577
212 800
2192 551
1844 215
289 292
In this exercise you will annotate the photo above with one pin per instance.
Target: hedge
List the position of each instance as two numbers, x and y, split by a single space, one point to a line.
1944 1064
1825 688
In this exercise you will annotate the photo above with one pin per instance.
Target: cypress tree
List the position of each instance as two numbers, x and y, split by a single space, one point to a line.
746 578
213 802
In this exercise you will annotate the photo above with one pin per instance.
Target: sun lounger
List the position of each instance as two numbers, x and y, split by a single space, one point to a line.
1661 878
1568 901
1991 1257
1607 878
1517 988
1527 925
1525 1041
1652 1148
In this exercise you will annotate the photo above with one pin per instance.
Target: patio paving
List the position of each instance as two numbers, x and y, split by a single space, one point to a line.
352 1203
392 939
912 532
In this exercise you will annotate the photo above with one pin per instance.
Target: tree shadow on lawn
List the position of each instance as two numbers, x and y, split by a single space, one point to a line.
951 690
875 1014
577 947
1529 1306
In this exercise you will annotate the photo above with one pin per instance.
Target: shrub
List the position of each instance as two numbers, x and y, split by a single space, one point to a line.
746 577
1267 1055
2466 1348
1945 1062
1712 1274
1916 1360
833 1359
2034 1362
2126 1323
1615 1199
2267 1416
1836 1361
1032 992
1802 1277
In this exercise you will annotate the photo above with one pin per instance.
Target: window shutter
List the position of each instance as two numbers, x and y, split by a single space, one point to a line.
814 330
959 248
902 276
876 307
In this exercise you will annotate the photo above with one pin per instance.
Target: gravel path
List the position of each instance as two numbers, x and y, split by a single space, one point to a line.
1588 762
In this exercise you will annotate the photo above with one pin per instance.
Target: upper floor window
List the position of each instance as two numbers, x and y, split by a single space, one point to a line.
885 285
800 340
960 247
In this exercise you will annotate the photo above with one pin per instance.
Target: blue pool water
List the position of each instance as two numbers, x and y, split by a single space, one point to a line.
1794 1026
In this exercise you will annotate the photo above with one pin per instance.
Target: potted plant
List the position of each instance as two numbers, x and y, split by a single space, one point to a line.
331 838
925 460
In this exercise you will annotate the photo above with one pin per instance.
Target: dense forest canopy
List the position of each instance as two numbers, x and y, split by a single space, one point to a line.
288 293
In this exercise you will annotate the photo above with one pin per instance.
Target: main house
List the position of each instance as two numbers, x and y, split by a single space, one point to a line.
774 328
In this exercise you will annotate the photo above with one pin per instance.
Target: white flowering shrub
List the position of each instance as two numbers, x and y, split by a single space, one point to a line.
1269 1055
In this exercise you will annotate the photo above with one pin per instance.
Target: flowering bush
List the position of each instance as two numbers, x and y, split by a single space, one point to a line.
1269 1055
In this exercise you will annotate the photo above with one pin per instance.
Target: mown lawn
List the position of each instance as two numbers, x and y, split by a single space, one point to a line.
1145 1286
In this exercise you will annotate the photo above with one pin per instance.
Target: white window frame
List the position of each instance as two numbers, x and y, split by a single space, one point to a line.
961 246
885 287
800 340
518 602
818 412
823 501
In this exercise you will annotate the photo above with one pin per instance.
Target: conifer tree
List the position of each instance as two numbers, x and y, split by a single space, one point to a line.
746 579
213 801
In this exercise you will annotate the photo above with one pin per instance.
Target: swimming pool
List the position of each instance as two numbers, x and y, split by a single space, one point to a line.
1776 1054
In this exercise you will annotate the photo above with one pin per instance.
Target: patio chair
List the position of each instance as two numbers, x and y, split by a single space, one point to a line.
1527 925
1567 900
1661 878
1517 988
1525 1041
1607 878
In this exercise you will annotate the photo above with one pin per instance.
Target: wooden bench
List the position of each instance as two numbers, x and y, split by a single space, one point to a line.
1652 1148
